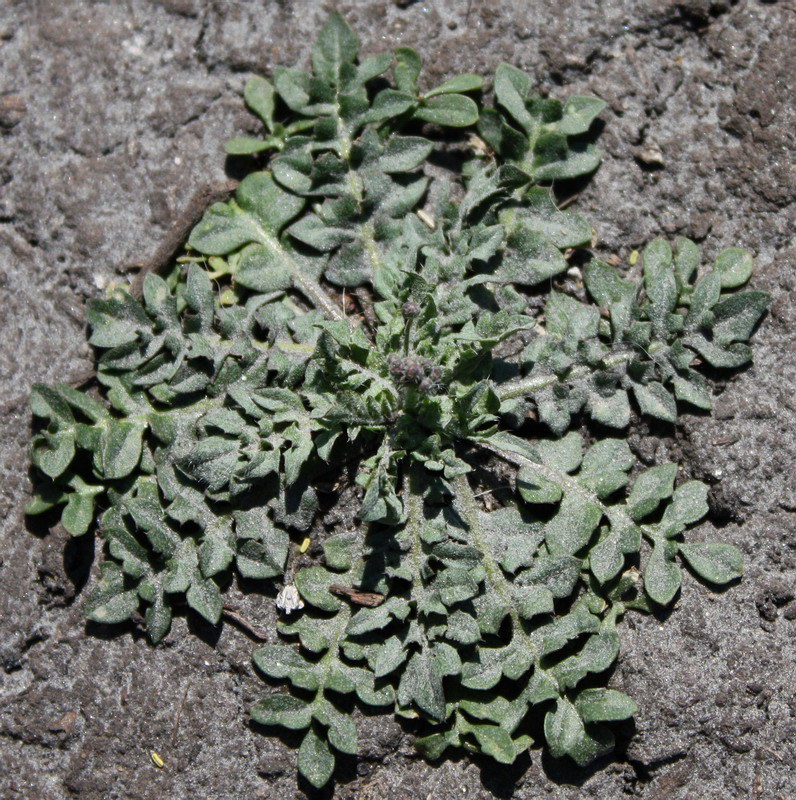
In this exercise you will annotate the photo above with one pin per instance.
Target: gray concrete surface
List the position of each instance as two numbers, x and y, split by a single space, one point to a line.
112 113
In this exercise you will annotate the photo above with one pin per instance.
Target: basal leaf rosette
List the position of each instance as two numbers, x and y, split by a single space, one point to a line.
362 329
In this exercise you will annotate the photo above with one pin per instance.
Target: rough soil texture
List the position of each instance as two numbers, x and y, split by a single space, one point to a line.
113 113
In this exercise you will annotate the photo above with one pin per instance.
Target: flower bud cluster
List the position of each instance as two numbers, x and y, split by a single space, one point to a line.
415 370
410 309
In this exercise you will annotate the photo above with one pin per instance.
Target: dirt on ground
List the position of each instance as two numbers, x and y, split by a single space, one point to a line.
113 113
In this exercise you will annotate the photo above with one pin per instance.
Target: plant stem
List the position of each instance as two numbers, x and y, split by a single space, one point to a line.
307 285
523 387
526 386
469 509
616 515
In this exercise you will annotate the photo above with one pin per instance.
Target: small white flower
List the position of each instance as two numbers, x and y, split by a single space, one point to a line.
289 600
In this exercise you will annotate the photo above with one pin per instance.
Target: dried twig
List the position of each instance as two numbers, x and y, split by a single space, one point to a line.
569 201
369 599
232 613
177 716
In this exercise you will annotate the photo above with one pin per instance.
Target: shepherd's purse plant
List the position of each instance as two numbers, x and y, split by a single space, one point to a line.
393 312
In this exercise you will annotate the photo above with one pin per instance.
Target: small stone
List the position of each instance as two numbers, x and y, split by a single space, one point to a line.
66 723
12 109
748 461
272 765
650 154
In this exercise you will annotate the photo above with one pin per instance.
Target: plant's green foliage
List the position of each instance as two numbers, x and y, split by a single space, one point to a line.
552 141
641 340
318 665
246 382
195 423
